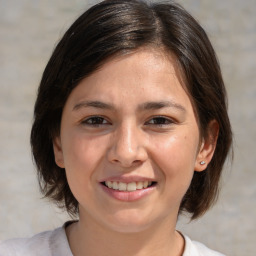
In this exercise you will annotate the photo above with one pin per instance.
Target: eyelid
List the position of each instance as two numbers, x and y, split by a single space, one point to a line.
168 119
85 120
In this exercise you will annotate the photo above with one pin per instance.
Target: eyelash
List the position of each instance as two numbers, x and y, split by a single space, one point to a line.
97 121
162 121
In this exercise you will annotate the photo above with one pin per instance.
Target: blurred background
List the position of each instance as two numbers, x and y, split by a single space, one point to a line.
29 29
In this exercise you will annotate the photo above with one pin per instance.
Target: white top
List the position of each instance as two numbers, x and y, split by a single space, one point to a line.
55 243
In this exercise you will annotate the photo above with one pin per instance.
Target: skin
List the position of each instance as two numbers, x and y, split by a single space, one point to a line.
130 137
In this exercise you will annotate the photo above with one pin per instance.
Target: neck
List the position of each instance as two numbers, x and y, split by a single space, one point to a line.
87 238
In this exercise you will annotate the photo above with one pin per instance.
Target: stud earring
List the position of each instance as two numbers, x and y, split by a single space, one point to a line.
202 162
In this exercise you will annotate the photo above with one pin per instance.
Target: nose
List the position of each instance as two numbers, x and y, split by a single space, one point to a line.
127 146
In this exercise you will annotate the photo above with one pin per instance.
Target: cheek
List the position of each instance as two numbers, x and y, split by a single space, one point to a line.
82 154
176 157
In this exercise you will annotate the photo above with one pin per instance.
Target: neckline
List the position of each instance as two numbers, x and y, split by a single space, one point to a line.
187 242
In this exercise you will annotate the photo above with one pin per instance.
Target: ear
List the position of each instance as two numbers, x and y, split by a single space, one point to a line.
207 147
58 153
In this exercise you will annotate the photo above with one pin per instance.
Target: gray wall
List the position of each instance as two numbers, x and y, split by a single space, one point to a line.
28 31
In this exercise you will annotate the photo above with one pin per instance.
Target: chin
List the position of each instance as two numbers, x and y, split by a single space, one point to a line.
127 222
128 228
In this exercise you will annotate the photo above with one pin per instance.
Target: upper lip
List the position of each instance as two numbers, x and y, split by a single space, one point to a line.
128 179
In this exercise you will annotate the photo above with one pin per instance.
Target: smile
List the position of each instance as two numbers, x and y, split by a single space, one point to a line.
131 186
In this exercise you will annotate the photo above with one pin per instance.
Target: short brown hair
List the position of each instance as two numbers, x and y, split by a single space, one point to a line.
116 27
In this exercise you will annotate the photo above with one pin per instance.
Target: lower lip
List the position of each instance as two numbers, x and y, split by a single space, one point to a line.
128 196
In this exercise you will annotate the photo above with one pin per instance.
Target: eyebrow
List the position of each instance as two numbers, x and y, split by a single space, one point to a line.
152 105
161 104
94 104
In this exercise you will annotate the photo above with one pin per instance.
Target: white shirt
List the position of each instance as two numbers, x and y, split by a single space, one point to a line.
55 243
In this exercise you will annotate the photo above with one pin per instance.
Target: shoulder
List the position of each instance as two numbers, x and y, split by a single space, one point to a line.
193 248
27 246
48 243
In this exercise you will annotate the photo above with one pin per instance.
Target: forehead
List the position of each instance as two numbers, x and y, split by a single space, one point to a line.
147 74
145 59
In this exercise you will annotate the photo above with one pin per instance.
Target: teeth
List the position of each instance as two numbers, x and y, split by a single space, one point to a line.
145 184
115 185
139 185
109 184
122 186
132 186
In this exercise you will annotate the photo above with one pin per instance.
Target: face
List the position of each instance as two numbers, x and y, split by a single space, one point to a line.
129 142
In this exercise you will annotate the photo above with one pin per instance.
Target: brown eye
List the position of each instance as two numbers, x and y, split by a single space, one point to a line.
159 121
95 121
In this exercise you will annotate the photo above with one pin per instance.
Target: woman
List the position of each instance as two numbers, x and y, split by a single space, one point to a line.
130 130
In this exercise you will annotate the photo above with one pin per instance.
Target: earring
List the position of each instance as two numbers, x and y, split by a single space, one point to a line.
202 162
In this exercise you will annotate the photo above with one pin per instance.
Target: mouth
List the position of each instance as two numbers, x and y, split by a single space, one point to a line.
129 187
